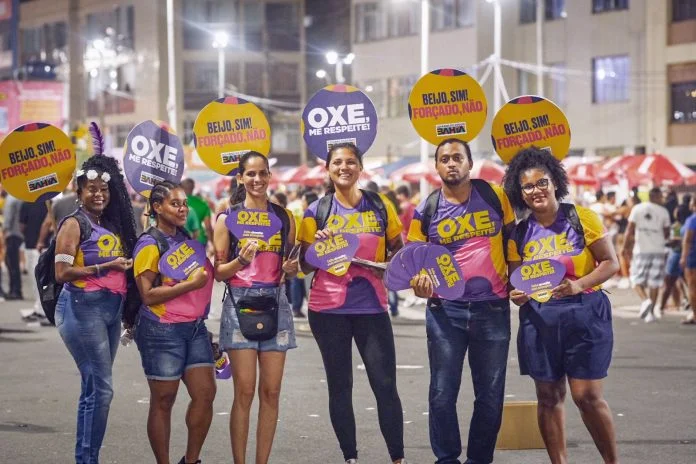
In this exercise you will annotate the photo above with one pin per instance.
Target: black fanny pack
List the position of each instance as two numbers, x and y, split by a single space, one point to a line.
257 316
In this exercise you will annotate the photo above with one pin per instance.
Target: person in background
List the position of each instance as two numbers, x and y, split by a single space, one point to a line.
299 285
392 296
58 207
13 241
403 195
674 274
202 212
141 219
31 217
372 186
170 331
688 260
644 244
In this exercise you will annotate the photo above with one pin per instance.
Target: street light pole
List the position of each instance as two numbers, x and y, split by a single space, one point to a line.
424 39
497 77
539 45
171 67
334 58
220 43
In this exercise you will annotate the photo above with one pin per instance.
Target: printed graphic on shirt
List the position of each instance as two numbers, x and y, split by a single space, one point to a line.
359 291
101 247
472 233
560 241
184 308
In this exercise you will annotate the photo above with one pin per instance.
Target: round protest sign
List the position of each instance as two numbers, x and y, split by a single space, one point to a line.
447 103
37 162
180 261
253 224
227 128
338 114
537 278
334 254
529 120
444 271
152 154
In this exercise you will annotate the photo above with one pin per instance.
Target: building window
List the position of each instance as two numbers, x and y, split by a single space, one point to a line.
399 90
285 137
283 25
368 22
253 79
404 18
522 82
283 77
377 91
683 10
203 17
610 79
451 14
684 102
253 26
117 22
553 9
600 6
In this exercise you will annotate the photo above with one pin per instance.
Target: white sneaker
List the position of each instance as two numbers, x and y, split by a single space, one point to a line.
650 317
645 308
352 461
657 313
624 283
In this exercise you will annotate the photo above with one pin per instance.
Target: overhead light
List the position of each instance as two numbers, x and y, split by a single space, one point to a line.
369 88
94 72
114 85
349 58
332 57
321 73
221 39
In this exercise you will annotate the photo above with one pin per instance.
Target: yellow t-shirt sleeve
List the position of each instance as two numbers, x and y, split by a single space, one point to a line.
508 213
415 234
592 225
513 254
308 228
147 259
394 225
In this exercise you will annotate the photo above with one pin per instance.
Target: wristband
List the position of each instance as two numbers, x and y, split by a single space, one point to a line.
64 258
97 266
243 261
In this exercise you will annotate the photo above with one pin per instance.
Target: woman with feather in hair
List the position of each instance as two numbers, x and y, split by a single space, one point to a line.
93 253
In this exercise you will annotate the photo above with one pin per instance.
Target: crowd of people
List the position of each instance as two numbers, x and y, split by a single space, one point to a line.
108 249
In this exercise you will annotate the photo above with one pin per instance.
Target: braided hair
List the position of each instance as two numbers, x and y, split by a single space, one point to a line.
160 192
239 191
118 213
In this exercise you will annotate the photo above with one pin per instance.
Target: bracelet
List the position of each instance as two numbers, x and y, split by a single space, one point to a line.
97 269
243 261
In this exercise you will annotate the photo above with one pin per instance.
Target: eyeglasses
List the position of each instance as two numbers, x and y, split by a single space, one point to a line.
541 184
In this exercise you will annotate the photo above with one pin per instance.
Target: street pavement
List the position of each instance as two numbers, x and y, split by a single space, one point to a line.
649 389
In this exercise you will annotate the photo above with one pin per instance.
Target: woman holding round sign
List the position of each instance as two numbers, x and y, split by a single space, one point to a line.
565 332
252 238
175 280
92 255
349 301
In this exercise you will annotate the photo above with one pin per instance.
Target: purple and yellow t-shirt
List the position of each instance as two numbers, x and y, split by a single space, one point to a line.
359 291
264 270
560 242
184 308
101 247
473 232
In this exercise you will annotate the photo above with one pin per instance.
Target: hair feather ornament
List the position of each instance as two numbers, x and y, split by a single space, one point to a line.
97 138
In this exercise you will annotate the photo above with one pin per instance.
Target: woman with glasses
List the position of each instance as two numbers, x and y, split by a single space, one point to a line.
569 336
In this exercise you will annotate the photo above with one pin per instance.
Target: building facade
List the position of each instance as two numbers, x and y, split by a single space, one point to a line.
113 54
623 71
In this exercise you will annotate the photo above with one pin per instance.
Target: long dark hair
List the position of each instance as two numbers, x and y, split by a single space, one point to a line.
240 192
118 214
331 188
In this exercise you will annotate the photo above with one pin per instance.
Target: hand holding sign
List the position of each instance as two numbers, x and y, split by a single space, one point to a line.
253 224
538 278
180 262
334 254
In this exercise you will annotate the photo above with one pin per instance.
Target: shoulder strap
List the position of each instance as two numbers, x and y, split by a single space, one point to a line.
284 230
379 205
429 211
571 214
518 234
489 196
160 239
233 239
85 225
323 210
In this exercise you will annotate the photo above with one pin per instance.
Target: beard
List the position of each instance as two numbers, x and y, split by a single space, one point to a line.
454 182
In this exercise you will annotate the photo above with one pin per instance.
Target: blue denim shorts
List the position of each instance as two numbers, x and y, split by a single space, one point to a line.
231 337
673 268
569 336
167 350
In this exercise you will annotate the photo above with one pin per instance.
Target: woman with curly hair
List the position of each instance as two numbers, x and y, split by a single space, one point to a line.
570 336
93 250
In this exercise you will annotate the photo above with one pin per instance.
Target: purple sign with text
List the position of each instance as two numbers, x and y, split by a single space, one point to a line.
180 261
401 268
537 278
333 255
338 114
153 153
253 224
444 272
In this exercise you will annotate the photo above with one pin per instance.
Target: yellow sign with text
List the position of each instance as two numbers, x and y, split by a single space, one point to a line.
227 128
447 103
37 161
530 121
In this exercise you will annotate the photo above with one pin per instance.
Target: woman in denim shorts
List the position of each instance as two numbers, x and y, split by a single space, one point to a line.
170 331
253 267
569 336
89 308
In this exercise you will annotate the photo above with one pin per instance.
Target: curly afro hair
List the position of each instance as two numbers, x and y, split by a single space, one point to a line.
533 158
118 214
